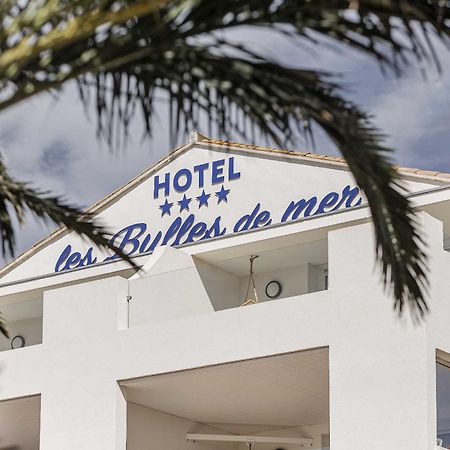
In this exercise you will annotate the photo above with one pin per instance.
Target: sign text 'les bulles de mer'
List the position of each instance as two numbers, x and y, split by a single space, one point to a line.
138 238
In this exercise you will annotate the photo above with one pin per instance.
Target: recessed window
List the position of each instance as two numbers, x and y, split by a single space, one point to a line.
20 423
277 402
443 401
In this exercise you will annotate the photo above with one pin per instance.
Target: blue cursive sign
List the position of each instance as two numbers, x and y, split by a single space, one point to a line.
137 238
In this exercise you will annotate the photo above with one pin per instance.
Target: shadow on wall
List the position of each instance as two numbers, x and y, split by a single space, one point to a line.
174 284
24 323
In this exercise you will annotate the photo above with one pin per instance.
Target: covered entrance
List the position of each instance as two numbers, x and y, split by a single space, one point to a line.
277 402
20 423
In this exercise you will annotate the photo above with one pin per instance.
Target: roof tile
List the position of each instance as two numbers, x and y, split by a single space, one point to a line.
316 156
428 173
438 176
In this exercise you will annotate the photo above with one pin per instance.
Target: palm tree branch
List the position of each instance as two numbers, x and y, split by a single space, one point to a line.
20 197
150 53
276 99
13 60
74 43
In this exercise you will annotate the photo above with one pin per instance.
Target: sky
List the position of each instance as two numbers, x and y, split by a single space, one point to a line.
51 142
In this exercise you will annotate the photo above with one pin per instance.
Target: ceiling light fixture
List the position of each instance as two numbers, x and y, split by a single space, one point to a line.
251 280
302 442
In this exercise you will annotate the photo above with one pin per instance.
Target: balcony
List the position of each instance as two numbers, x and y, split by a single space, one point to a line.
174 283
24 322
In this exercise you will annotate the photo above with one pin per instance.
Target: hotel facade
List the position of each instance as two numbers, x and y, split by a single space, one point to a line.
257 321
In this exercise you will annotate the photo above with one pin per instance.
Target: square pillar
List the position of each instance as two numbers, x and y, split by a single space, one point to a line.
83 408
380 370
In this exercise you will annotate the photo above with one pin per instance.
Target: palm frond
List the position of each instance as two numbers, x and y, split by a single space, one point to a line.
17 198
282 103
97 37
3 328
399 244
129 50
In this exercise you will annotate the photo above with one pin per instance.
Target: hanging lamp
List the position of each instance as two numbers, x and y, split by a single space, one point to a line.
251 280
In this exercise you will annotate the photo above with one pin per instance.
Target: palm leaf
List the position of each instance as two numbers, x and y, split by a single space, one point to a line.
128 51
3 328
17 198
215 88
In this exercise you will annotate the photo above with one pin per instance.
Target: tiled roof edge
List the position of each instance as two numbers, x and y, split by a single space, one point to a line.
407 171
198 138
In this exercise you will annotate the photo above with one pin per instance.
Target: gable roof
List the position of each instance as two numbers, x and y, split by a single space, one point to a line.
428 175
200 140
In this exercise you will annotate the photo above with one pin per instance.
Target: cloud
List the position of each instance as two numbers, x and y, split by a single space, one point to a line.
55 137
56 159
52 142
415 114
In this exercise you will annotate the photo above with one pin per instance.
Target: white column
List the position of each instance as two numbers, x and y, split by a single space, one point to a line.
82 406
379 366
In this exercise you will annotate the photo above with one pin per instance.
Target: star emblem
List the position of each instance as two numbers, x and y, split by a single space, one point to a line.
184 203
165 208
222 195
203 199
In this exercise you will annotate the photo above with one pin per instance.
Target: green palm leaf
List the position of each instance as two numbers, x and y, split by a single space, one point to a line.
126 52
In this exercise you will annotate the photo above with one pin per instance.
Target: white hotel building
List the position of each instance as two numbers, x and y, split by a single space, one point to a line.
104 358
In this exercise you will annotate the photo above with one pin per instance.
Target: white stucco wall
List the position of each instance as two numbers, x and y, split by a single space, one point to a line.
381 368
148 428
183 315
273 180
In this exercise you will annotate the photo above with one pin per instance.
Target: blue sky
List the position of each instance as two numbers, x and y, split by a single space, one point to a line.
51 140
